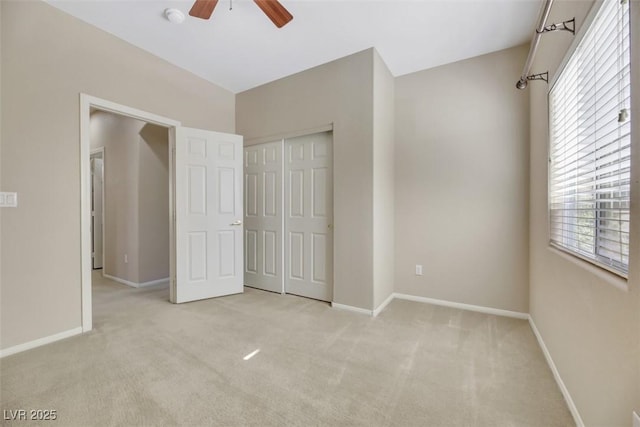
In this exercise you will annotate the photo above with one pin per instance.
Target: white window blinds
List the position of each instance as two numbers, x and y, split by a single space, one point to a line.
590 144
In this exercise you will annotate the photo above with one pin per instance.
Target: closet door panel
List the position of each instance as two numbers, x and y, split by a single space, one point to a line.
263 219
309 216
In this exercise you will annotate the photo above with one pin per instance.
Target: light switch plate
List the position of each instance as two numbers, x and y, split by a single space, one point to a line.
8 200
636 420
418 270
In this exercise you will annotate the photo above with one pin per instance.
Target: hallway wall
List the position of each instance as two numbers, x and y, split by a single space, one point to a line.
136 196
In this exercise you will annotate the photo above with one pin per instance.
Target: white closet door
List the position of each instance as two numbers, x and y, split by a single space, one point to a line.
263 216
208 215
309 216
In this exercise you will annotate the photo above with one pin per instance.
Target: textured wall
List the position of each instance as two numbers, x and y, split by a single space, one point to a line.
462 182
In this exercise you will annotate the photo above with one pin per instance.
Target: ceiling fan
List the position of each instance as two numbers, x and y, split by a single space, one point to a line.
272 8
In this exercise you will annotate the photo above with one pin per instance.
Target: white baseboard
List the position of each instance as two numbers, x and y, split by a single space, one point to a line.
119 280
352 308
40 342
134 284
556 375
518 315
154 282
384 304
458 305
470 307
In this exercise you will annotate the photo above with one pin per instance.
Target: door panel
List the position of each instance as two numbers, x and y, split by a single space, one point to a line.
270 240
251 251
309 210
226 240
271 190
198 256
318 257
263 216
208 215
296 193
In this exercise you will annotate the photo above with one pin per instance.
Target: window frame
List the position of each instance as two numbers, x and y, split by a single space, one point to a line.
579 36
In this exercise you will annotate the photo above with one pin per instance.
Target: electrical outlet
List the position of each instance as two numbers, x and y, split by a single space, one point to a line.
418 270
126 258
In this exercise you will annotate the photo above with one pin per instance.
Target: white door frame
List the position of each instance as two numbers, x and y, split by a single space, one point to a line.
100 151
86 103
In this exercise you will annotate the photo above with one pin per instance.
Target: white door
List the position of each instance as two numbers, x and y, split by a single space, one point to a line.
309 216
263 216
208 215
97 179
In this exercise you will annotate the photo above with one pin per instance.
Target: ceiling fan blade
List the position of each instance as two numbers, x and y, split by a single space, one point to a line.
275 11
203 8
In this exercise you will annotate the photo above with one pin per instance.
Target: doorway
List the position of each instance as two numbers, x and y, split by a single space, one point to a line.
205 207
87 105
136 199
289 216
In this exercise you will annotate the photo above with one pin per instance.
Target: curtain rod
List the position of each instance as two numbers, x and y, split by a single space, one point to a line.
540 29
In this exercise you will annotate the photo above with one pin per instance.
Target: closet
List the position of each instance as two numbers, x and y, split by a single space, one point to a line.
289 216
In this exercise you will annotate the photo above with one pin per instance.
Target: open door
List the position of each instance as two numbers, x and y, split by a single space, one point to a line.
207 212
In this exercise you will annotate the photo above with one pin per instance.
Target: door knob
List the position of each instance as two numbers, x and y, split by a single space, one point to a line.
236 223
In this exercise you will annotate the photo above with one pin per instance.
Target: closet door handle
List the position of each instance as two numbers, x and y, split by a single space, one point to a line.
236 223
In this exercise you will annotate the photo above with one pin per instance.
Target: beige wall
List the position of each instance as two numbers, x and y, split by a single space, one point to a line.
383 181
153 204
340 92
1 187
119 136
590 326
136 196
461 186
48 58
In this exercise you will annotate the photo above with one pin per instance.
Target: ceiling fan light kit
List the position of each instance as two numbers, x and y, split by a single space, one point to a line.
277 13
174 16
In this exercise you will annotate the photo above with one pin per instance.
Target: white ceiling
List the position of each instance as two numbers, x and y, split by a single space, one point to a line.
239 49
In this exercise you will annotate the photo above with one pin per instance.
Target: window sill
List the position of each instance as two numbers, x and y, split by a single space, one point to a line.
613 279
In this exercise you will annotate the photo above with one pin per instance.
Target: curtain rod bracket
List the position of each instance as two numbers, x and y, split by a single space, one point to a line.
540 76
569 25
522 83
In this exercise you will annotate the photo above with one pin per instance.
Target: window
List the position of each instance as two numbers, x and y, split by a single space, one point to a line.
590 144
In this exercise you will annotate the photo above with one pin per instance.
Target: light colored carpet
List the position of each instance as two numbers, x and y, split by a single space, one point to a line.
149 362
